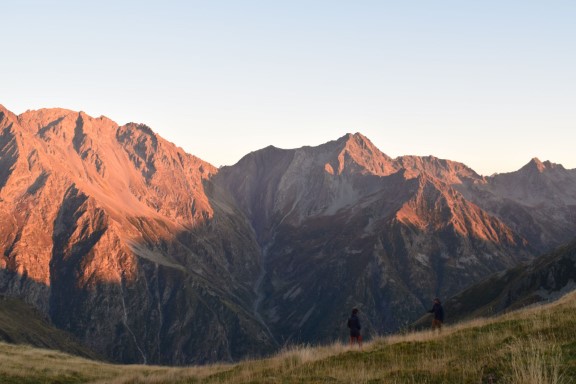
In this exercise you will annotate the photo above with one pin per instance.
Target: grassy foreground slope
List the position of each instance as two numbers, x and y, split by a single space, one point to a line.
534 345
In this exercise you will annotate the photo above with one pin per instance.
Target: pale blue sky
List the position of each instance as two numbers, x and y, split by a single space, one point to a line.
488 83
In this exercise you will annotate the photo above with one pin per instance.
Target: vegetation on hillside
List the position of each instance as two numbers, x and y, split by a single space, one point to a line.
534 345
20 323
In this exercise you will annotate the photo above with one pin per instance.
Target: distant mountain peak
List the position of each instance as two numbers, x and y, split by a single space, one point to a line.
5 113
356 140
535 165
3 109
450 171
356 152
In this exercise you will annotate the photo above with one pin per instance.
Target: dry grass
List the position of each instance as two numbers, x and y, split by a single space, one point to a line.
535 345
535 362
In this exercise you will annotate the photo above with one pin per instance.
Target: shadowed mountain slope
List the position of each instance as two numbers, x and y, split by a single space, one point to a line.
20 323
544 279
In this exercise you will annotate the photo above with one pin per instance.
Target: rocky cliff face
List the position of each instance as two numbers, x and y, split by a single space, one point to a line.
109 230
149 254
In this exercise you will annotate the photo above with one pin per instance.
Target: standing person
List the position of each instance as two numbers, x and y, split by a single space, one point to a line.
438 312
354 325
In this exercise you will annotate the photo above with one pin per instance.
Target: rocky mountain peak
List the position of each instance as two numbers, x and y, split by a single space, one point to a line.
537 166
352 140
6 114
451 172
357 143
96 154
355 153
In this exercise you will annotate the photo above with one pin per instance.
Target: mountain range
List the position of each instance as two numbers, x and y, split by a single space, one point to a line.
147 254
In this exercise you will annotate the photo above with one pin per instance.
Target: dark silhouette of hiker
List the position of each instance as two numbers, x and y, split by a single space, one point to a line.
438 312
354 325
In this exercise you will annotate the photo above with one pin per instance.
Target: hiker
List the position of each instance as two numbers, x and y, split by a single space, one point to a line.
354 325
438 312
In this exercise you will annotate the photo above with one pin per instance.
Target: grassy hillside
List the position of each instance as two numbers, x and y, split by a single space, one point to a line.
534 345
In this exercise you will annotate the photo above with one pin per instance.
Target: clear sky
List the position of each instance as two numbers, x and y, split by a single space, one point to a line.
488 83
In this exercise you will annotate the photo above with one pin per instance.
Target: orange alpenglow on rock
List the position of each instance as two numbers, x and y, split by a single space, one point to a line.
67 176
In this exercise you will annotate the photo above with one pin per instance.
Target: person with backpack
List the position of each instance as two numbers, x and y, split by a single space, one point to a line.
354 325
438 312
